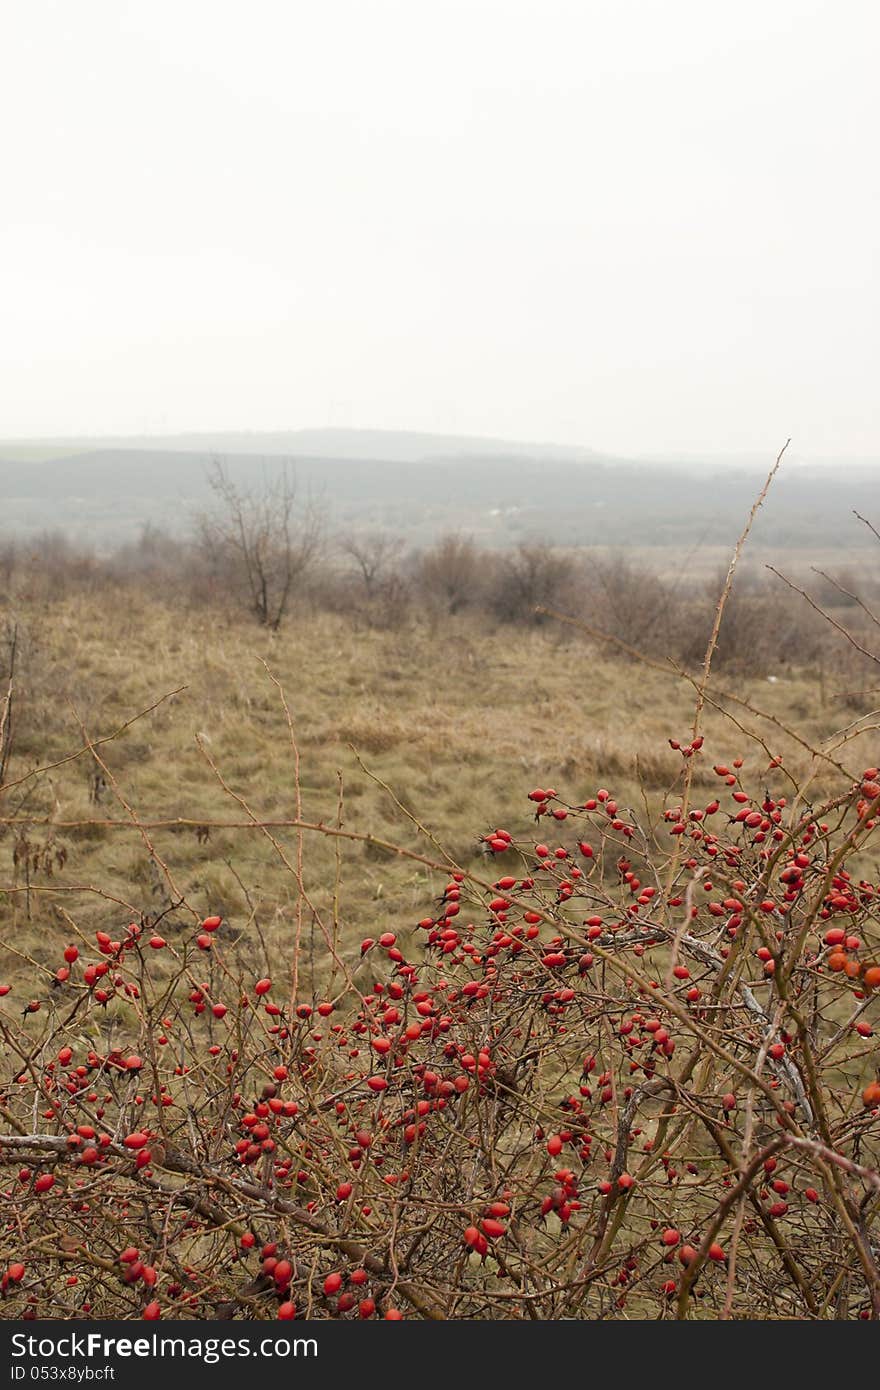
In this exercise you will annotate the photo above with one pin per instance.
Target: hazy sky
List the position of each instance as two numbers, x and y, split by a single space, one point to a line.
626 224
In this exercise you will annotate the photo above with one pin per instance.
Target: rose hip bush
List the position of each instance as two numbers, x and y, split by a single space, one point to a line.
627 1070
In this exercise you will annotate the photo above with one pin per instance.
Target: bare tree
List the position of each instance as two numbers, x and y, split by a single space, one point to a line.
267 540
374 557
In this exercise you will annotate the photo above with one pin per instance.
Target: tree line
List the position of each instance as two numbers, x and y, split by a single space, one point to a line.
267 553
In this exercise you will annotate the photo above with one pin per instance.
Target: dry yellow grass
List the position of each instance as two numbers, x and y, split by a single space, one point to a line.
459 719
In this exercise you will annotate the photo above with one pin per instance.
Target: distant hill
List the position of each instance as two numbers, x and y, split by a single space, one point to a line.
422 485
392 446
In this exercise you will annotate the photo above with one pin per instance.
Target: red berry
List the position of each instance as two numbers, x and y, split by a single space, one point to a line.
492 1228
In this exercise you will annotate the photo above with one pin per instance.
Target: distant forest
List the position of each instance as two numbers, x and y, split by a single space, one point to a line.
422 487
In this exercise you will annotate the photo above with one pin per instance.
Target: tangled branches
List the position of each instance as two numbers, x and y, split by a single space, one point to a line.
631 1069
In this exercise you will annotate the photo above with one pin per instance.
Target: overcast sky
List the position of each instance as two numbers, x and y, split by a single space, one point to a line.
637 226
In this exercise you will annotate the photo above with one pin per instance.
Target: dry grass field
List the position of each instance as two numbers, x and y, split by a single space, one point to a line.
457 717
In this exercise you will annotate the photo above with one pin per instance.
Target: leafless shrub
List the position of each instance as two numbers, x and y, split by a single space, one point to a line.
450 574
633 603
532 574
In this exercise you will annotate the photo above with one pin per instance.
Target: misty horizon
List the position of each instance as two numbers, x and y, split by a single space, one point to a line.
412 445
